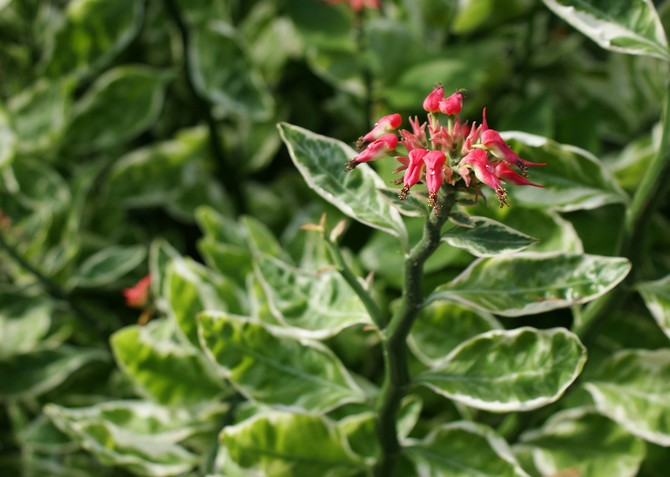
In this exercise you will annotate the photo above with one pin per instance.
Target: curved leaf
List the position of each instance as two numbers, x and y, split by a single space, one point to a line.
632 389
291 444
121 104
108 265
513 370
169 373
221 70
24 322
138 436
533 282
321 161
441 327
573 178
585 443
624 26
93 32
8 142
656 295
276 370
316 305
487 237
464 449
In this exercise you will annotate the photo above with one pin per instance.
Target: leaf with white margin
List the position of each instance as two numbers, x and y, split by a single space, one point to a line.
108 265
314 305
321 162
442 326
625 26
464 449
586 443
8 141
656 296
139 436
285 444
515 370
487 238
277 370
573 179
632 389
529 283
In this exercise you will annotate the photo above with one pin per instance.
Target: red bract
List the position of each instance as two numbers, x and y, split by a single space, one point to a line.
478 154
138 296
385 125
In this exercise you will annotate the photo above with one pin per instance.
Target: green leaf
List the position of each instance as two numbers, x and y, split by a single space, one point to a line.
8 141
283 445
36 372
487 238
166 371
464 449
138 436
108 265
193 288
40 114
24 322
441 327
237 88
259 238
317 305
631 388
321 161
573 178
504 371
585 443
92 33
230 260
619 25
656 296
274 369
532 283
121 104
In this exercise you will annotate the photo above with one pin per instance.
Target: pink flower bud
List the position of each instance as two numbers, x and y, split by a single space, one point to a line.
452 105
477 159
435 161
432 101
138 296
385 125
414 169
494 143
376 150
506 173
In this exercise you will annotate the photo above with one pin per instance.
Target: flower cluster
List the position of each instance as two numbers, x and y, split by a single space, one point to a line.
445 150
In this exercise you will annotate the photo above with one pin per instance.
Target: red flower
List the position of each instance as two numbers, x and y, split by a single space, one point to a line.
452 105
435 161
138 296
432 101
495 144
385 125
376 150
414 169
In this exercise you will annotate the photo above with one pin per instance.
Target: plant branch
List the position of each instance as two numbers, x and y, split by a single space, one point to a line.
227 171
396 378
648 197
342 267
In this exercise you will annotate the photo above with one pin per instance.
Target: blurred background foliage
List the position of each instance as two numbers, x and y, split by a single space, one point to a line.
126 123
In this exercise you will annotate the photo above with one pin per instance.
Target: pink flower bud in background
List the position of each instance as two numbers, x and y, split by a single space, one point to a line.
138 296
358 5
451 105
385 125
432 101
376 150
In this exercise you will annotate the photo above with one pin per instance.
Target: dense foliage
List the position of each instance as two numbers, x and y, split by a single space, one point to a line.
191 284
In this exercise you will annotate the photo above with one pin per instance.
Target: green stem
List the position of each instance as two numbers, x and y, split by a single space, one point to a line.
648 197
226 171
342 267
394 340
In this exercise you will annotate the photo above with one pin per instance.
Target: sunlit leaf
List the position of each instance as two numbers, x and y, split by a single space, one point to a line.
585 443
487 238
464 449
656 295
573 178
24 321
531 283
284 444
277 370
166 371
319 304
321 161
621 25
631 388
513 370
